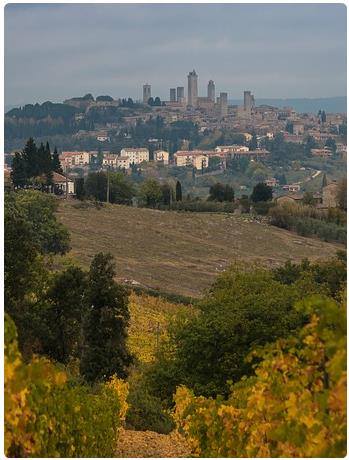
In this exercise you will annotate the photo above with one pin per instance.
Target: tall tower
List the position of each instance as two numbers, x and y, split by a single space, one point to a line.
211 90
146 93
180 94
248 101
223 104
173 94
192 88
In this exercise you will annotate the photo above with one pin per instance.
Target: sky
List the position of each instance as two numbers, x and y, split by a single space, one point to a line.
57 51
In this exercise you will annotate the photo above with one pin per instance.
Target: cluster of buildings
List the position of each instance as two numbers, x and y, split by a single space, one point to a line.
123 160
193 101
135 156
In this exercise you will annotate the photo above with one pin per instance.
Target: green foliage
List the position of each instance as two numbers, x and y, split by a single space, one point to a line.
331 143
294 406
31 230
65 315
243 309
342 195
308 221
39 210
220 192
121 189
34 165
253 143
145 411
150 192
262 207
105 325
329 275
261 192
96 186
178 191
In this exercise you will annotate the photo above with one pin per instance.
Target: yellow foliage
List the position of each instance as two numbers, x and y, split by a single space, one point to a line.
294 407
149 318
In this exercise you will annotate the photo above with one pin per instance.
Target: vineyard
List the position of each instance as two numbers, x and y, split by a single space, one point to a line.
256 367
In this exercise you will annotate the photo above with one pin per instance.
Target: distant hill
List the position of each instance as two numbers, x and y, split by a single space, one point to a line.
303 105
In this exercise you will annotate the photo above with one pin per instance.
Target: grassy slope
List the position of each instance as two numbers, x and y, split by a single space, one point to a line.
179 252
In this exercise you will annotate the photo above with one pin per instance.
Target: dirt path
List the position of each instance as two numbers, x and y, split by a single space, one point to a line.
143 444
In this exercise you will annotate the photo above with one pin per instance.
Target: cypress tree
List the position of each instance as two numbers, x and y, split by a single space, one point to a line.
178 191
19 170
324 181
56 164
31 157
105 326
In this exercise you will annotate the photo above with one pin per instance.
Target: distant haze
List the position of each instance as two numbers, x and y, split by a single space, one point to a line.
56 51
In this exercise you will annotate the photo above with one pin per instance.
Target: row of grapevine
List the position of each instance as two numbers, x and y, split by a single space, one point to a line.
46 415
294 406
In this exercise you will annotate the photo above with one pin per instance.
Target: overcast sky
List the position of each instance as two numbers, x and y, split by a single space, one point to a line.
53 52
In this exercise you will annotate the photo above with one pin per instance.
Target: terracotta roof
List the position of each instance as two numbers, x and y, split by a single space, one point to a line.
59 178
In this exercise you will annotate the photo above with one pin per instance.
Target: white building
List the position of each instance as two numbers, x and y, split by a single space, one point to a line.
123 162
231 148
110 160
61 183
161 155
194 158
71 159
135 155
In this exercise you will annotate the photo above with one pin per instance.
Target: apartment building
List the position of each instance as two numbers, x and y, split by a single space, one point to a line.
110 160
195 158
135 155
71 159
123 162
162 155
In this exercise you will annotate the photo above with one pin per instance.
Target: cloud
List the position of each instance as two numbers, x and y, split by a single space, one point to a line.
55 51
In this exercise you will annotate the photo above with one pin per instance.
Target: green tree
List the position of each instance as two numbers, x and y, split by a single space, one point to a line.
65 315
100 156
243 310
105 351
80 188
56 164
308 198
121 188
166 194
19 171
261 192
31 230
40 211
151 192
178 191
331 143
253 143
96 186
220 192
342 195
31 157
324 181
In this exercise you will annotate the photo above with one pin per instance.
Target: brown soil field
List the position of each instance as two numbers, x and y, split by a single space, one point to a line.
176 252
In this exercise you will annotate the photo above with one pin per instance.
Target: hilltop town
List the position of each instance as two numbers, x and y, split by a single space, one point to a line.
199 140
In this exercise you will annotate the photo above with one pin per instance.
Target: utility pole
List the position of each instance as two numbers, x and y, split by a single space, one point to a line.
107 183
66 183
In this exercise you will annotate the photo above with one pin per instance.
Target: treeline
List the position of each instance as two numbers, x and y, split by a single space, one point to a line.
34 165
163 195
307 220
40 120
77 319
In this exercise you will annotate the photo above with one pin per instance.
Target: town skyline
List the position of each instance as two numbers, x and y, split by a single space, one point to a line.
271 61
